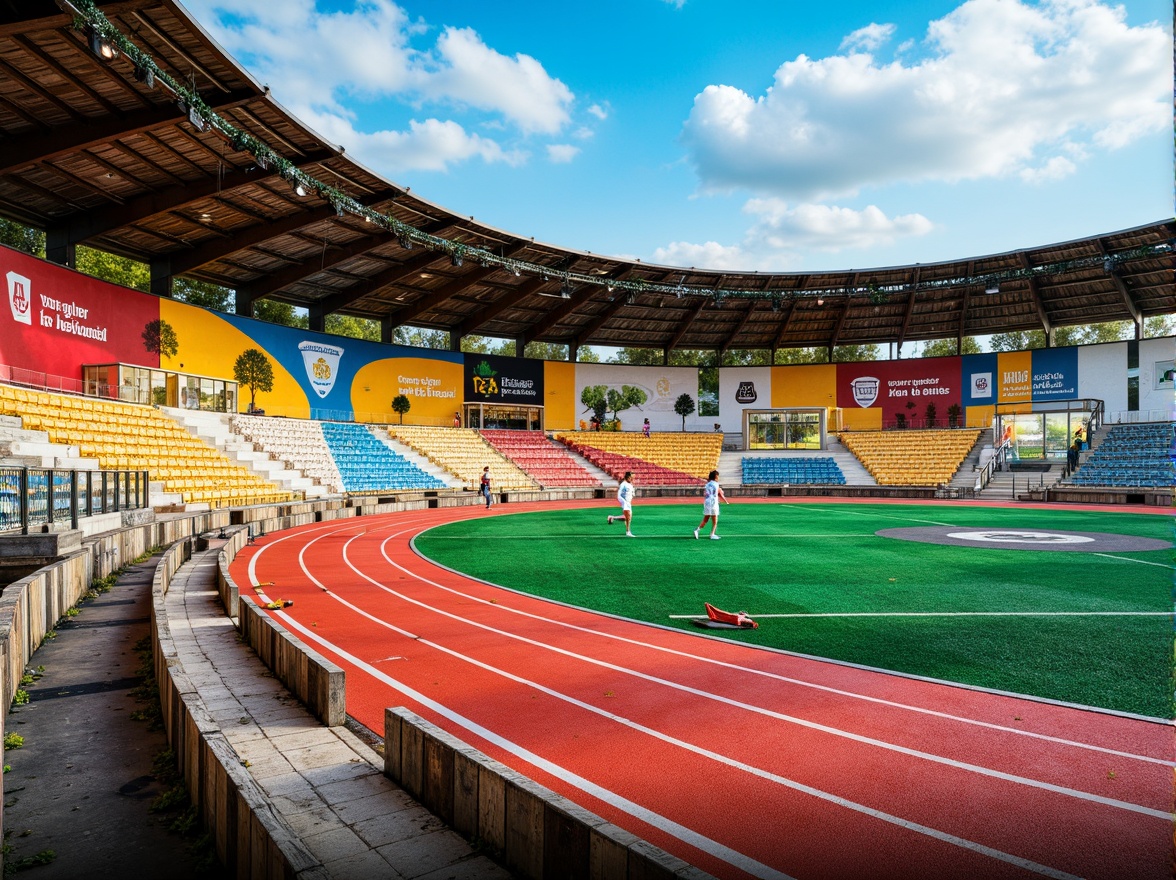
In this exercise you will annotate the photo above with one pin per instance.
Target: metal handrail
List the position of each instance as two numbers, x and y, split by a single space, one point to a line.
32 498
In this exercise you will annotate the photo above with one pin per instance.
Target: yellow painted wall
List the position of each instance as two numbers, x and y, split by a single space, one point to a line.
196 327
979 416
858 419
433 387
809 385
559 396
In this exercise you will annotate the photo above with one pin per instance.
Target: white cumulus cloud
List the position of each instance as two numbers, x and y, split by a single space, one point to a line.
562 153
780 235
997 84
318 61
869 37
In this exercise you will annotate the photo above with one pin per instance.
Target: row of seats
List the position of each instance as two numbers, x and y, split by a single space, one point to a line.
911 458
129 436
539 458
823 470
464 453
645 473
1131 456
693 454
368 465
299 442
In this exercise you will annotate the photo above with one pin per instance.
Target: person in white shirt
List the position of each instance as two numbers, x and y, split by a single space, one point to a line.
625 492
712 494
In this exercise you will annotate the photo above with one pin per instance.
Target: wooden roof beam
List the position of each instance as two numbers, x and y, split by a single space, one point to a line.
726 344
1035 293
789 307
910 310
694 311
1121 286
579 297
446 291
485 315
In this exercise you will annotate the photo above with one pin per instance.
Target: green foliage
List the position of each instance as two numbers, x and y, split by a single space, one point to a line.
947 347
547 351
929 415
115 269
356 328
159 337
419 337
20 698
203 294
73 612
684 406
13 741
400 405
638 356
22 238
253 370
275 312
953 415
628 396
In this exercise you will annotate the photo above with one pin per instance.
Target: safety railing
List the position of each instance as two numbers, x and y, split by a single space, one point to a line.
31 498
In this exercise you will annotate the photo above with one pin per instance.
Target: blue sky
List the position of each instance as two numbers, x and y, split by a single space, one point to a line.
741 134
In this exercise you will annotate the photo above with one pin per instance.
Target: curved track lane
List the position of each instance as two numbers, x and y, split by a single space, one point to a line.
742 761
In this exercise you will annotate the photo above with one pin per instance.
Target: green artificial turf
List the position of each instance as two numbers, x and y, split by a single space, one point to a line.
826 559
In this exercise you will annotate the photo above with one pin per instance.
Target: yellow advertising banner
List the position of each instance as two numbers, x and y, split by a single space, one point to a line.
1014 376
433 389
559 396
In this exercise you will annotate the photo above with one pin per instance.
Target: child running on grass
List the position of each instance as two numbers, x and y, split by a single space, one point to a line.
625 494
712 494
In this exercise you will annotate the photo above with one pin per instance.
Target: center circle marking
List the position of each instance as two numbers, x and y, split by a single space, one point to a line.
1021 537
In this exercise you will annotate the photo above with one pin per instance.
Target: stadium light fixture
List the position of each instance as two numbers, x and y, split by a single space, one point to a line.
992 287
565 290
299 189
145 75
101 46
198 122
456 258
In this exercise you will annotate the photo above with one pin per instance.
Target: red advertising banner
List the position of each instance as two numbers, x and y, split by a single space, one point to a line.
55 319
900 387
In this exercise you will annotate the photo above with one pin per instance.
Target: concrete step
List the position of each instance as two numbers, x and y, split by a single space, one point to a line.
592 469
421 461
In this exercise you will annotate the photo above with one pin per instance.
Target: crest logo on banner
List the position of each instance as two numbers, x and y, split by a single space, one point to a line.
745 393
20 298
322 365
982 384
865 390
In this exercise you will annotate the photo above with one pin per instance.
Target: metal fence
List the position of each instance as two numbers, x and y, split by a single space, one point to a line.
34 497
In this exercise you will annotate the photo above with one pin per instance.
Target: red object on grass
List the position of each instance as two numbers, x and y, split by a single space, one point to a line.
739 618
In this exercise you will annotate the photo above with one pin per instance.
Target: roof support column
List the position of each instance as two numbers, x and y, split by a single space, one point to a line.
59 248
161 277
316 319
387 329
244 303
573 351
455 339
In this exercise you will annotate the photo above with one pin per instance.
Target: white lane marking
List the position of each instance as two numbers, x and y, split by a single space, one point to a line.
580 537
733 666
1129 559
706 844
687 835
773 675
946 614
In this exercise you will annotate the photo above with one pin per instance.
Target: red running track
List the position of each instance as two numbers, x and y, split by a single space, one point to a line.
742 761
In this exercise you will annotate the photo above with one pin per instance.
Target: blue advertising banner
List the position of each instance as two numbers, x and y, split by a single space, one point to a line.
1055 374
978 379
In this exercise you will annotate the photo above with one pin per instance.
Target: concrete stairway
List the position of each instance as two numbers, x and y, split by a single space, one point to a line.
213 429
421 461
596 473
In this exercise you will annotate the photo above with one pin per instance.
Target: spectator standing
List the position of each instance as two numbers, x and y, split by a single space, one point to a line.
645 429
485 485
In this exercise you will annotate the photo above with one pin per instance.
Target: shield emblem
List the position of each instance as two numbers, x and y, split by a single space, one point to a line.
20 297
322 365
865 390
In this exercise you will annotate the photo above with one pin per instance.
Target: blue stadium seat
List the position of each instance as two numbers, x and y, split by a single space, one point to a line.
367 465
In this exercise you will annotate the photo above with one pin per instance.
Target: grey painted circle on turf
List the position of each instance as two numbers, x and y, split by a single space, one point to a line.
1026 539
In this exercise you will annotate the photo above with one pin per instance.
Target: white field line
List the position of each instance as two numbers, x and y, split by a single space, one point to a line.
737 667
837 732
948 614
687 835
1129 559
772 675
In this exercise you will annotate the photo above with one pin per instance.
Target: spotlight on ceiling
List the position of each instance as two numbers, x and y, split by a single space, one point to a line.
515 271
565 290
101 46
1109 265
992 287
299 189
404 241
456 258
198 122
338 206
262 161
820 301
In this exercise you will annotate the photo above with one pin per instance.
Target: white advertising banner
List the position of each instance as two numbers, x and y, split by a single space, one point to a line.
662 387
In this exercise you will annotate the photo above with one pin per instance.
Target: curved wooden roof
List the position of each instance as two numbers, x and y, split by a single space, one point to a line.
93 155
